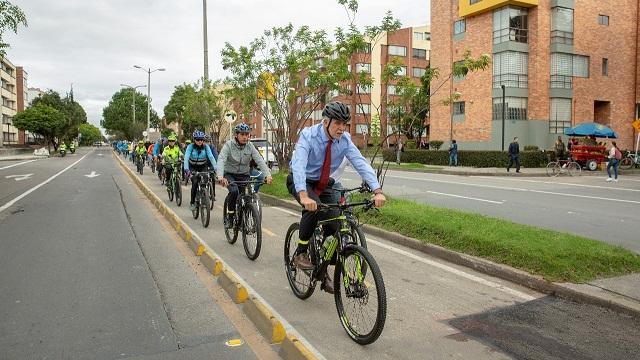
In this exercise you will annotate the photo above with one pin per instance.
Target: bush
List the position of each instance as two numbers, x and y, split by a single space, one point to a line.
481 159
436 144
410 145
531 148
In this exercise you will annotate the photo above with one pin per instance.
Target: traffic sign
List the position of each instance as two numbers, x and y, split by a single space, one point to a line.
636 124
230 116
145 133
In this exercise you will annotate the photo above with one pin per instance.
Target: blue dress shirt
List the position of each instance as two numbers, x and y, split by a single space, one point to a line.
309 156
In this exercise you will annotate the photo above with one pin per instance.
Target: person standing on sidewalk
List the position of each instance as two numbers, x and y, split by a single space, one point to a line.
514 154
453 153
615 155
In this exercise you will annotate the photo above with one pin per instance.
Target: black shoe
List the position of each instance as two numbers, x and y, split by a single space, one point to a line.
518 171
302 261
327 284
507 169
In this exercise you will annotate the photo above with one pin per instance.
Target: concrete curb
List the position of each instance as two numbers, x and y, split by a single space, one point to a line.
261 315
582 293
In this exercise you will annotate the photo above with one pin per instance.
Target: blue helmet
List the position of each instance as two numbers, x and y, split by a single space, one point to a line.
242 128
198 135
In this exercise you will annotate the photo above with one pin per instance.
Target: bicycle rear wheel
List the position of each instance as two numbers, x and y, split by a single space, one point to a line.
626 163
360 297
553 169
230 232
204 209
574 169
252 231
210 194
301 281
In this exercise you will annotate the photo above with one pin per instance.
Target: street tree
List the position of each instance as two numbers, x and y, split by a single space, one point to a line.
117 116
11 17
73 112
175 108
89 134
42 120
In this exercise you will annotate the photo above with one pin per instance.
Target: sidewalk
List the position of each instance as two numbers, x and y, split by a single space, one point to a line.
493 171
21 157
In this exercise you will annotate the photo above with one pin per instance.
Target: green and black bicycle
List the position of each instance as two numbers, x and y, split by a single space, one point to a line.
359 290
174 188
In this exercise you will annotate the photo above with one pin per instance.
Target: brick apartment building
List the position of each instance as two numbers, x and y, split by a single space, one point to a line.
9 102
562 62
411 45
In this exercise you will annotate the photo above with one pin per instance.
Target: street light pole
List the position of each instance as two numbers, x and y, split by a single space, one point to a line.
134 97
148 71
503 113
206 45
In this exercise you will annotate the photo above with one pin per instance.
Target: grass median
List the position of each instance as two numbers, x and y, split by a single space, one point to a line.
554 255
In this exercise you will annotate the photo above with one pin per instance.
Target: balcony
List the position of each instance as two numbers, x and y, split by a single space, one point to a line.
561 37
561 82
511 81
475 7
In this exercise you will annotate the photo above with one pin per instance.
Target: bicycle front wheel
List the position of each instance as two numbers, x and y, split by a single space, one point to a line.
360 296
553 169
210 194
252 231
204 210
574 169
301 281
626 163
178 191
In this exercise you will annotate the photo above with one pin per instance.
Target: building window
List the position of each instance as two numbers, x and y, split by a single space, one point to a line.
516 108
391 90
459 27
581 66
363 109
510 24
560 115
561 26
365 49
316 115
458 111
362 129
605 67
458 77
419 72
397 50
402 71
306 81
511 69
603 20
362 67
419 54
363 89
331 94
421 36
565 66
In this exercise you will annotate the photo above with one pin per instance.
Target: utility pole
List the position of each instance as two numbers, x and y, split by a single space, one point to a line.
206 45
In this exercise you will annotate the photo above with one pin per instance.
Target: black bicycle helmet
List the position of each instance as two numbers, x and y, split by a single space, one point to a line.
337 111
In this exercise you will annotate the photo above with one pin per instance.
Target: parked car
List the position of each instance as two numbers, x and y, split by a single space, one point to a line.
261 145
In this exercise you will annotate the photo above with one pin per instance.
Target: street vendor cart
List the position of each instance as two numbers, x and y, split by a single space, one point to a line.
589 155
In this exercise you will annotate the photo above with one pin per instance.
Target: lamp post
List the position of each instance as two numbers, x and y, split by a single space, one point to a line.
134 97
503 113
206 45
148 71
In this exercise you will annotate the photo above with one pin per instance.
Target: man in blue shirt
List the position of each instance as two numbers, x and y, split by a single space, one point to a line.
197 157
319 151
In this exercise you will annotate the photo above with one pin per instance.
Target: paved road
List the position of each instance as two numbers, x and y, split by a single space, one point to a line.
432 305
586 205
88 271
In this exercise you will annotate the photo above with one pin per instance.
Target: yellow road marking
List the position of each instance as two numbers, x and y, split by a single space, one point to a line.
234 342
269 232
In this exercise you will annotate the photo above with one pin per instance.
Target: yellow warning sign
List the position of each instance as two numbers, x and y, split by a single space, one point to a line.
636 124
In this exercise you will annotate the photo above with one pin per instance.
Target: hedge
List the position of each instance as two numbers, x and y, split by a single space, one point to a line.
481 159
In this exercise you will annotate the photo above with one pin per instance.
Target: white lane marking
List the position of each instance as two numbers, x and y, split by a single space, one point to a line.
466 197
455 271
287 211
92 175
19 197
19 177
517 189
562 183
18 164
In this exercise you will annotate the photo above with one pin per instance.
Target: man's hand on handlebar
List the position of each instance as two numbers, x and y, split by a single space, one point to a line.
308 203
224 182
379 200
268 180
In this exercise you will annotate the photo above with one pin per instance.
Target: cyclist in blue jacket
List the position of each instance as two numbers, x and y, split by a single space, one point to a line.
197 157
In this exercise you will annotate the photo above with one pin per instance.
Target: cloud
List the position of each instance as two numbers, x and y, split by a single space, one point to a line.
94 44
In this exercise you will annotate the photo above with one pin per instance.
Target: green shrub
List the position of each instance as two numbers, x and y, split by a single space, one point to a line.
410 145
531 148
481 159
435 144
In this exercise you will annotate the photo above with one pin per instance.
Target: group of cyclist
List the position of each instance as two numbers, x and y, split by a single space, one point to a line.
321 150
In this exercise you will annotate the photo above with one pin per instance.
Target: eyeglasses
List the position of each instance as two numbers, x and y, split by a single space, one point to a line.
199 139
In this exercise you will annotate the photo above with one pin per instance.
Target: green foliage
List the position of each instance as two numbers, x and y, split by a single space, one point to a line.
435 144
11 16
117 117
531 148
41 119
74 114
278 187
481 159
410 145
89 134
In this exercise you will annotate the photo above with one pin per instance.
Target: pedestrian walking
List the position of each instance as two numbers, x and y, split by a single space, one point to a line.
514 155
453 153
615 155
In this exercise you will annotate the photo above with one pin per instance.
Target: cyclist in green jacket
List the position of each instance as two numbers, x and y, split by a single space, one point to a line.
170 156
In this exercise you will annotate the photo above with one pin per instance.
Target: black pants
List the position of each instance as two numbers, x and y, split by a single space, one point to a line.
194 182
310 219
234 189
512 159
168 170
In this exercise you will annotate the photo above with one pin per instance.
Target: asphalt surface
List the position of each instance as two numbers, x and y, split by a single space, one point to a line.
586 205
88 271
428 301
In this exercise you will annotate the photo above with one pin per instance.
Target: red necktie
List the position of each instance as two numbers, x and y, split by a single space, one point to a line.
326 167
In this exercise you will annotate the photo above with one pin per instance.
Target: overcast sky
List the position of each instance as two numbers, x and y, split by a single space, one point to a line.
95 43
